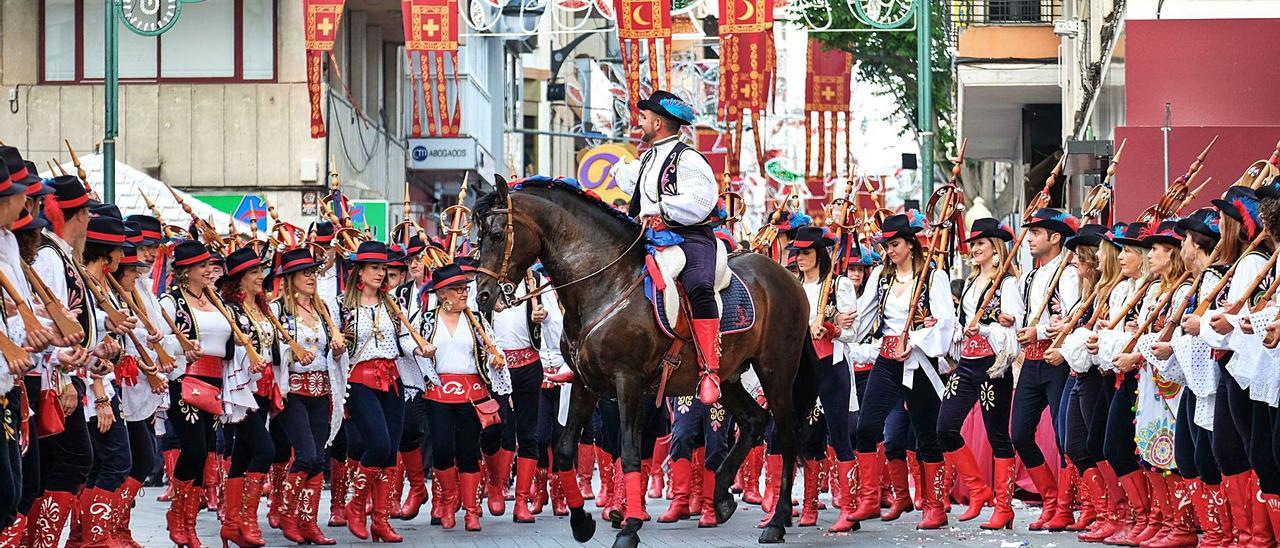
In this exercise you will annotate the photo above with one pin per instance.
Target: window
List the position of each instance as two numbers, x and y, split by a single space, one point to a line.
217 40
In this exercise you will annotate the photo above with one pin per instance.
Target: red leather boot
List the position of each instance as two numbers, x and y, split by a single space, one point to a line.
934 479
1088 511
49 516
708 518
277 474
1138 496
772 481
170 463
307 511
1158 519
1108 522
605 462
844 484
361 487
902 501
396 491
497 473
661 448
1238 500
695 480
1043 479
176 518
525 470
809 506
285 505
980 494
416 474
679 507
751 476
14 534
469 485
122 534
706 337
1063 515
1005 475
868 490
586 469
1260 523
339 479
558 505
1182 524
233 507
446 501
249 510
913 470
212 481
1210 506
380 529
97 515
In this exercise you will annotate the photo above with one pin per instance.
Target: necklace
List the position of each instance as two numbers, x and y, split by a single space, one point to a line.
202 299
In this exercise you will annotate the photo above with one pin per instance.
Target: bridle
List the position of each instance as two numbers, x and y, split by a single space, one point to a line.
508 287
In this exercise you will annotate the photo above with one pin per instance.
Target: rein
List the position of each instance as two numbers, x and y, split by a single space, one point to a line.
509 288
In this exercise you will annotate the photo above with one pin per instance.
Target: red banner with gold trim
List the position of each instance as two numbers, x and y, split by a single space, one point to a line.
748 64
320 20
828 90
431 30
646 22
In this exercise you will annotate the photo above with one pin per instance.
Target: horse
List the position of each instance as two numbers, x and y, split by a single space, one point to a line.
614 345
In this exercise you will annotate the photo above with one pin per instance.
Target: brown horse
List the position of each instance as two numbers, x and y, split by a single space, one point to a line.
613 343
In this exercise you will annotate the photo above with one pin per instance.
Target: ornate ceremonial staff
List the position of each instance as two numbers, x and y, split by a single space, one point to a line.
455 219
837 217
129 298
52 306
148 366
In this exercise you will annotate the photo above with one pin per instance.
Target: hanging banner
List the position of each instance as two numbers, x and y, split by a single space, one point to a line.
748 63
647 22
320 20
829 75
431 31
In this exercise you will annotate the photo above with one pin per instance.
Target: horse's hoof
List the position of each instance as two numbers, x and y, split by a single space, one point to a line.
772 534
583 526
629 536
725 509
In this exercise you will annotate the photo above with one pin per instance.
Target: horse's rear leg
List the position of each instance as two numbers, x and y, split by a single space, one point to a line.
631 401
752 419
787 437
581 403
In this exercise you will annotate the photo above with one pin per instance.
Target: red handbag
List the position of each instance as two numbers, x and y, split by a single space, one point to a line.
487 412
50 421
202 395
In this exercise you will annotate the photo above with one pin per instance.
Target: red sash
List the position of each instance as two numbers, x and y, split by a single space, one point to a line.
313 384
520 357
1036 350
977 346
889 346
206 366
457 388
378 374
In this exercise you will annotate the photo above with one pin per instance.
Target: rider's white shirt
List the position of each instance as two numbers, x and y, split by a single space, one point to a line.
697 189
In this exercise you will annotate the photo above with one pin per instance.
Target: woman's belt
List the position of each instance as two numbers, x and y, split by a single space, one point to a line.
313 383
520 357
206 366
378 374
457 388
1036 350
977 346
889 347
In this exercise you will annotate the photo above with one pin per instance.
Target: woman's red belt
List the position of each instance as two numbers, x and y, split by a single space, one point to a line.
1035 351
976 346
520 357
889 347
457 388
206 366
378 374
312 383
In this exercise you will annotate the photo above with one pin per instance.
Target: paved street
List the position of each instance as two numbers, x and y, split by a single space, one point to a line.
149 529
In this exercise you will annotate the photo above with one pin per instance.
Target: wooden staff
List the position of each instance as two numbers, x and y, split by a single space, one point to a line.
1053 284
1253 286
57 311
129 298
838 221
937 242
207 232
335 331
75 159
1226 277
437 261
1074 319
1155 313
1132 302
457 215
24 308
11 351
54 169
116 316
255 359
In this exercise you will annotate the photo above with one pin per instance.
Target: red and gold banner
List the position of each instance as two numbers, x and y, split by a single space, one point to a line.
826 100
431 30
320 20
748 63
647 21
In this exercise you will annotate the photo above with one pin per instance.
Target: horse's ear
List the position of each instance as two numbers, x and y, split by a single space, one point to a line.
500 187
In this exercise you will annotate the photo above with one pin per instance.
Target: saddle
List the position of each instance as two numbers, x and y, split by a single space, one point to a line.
670 303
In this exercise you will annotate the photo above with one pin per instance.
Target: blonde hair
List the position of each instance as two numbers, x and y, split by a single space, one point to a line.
1088 255
1108 266
351 296
1001 253
1146 263
1176 268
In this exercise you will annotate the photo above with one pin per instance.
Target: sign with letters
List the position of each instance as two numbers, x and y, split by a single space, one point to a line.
444 154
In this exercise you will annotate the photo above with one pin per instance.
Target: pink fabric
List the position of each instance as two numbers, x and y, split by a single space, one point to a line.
975 439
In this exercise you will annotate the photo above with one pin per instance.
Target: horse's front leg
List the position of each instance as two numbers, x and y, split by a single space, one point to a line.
581 403
752 419
631 402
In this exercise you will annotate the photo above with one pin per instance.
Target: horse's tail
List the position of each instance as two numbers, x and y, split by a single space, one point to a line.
805 390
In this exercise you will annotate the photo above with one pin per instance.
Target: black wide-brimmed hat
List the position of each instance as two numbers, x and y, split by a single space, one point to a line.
811 237
296 260
7 186
243 259
26 222
448 276
18 172
1240 203
1135 235
1088 235
131 258
372 252
1117 231
190 253
1204 221
1167 233
414 246
105 230
397 256
900 226
151 232
467 264
1055 220
323 232
990 228
667 104
36 188
69 192
105 210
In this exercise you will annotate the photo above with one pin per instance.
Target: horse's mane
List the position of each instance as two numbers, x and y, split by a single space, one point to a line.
567 187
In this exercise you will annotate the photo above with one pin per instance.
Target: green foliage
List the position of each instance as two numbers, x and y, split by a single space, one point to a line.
888 60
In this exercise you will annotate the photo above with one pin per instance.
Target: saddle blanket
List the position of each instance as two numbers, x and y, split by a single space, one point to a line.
737 309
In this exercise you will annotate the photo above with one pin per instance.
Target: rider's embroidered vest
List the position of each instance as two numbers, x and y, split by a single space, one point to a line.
667 183
78 297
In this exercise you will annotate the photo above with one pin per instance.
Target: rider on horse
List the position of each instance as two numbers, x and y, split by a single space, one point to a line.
673 187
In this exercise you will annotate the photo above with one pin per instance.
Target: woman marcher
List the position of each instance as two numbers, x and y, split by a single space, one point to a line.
462 378
251 396
375 393
982 375
194 383
886 311
311 380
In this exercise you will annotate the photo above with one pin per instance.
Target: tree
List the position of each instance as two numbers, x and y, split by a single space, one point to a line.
888 59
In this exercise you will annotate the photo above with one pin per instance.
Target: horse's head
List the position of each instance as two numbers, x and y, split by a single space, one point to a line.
510 242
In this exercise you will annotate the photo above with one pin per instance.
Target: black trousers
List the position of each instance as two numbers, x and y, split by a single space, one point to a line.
860 383
549 428
376 419
1087 410
519 411
32 482
338 449
455 436
695 424
194 429
1260 455
305 421
10 455
1232 425
1193 445
414 435
834 393
1040 385
655 425
66 458
112 458
1119 448
142 448
283 450
252 448
970 384
885 392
